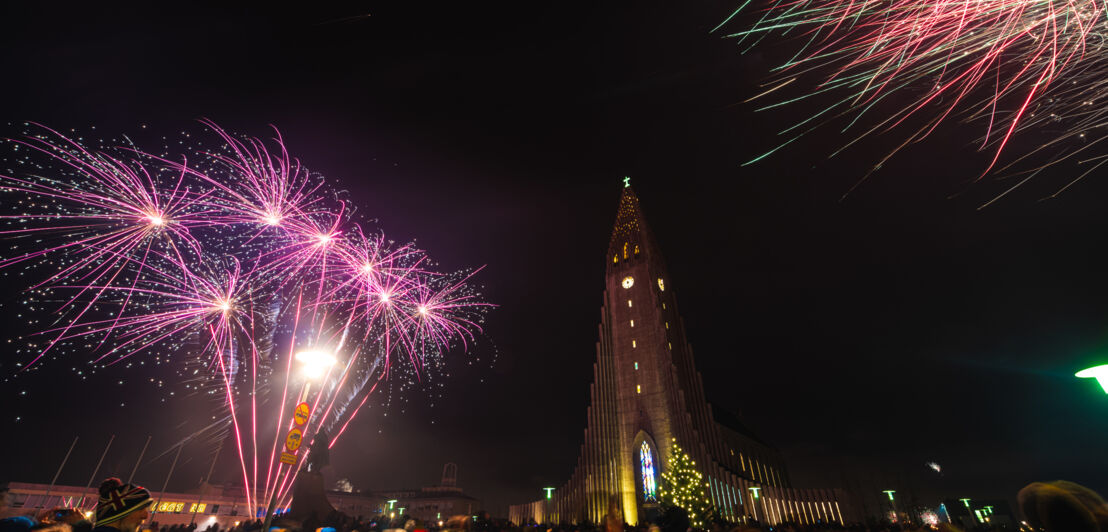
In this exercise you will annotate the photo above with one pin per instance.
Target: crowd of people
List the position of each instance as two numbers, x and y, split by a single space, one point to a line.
1048 507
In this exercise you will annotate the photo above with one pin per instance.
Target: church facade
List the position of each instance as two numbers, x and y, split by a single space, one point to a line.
647 395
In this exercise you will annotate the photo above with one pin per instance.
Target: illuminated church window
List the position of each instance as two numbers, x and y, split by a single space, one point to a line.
636 249
638 388
632 323
628 302
662 287
646 457
625 250
628 282
636 366
634 344
615 259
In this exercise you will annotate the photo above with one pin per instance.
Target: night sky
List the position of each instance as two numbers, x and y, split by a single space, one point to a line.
863 336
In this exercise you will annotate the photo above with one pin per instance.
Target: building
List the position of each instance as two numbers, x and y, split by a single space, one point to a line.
211 504
226 505
433 503
647 395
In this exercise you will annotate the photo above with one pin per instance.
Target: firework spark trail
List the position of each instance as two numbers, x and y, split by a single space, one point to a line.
1014 64
155 252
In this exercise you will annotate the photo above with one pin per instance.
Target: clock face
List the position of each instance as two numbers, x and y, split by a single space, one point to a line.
628 281
661 284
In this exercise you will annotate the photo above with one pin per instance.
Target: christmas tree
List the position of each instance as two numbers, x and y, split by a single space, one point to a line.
684 487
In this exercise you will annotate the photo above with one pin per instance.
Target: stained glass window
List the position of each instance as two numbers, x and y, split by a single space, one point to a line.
647 459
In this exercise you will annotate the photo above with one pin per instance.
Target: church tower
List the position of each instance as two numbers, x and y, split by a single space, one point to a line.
647 395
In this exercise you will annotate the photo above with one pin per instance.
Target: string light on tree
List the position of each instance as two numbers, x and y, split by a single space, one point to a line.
684 487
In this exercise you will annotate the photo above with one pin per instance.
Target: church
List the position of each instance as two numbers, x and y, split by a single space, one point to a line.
647 395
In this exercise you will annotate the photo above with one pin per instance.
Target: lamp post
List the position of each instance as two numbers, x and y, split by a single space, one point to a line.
313 365
969 510
892 502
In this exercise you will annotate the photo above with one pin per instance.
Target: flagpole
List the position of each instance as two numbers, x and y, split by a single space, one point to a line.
95 471
196 504
137 462
167 477
55 479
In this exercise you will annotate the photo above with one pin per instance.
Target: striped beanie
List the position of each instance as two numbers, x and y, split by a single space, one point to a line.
118 500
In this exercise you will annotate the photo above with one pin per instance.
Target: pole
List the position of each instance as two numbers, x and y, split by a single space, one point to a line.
166 484
55 479
95 471
273 499
139 460
206 479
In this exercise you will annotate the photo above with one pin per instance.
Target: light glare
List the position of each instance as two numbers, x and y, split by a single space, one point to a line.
1100 373
315 362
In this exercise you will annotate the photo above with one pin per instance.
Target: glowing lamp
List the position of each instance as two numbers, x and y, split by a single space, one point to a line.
315 363
1100 373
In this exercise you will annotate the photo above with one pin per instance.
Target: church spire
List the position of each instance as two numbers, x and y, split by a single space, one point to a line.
631 237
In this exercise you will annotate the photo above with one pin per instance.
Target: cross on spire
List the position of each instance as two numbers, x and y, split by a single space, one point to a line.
626 182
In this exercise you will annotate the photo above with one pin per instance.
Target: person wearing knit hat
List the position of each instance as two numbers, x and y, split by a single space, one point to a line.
1063 506
122 507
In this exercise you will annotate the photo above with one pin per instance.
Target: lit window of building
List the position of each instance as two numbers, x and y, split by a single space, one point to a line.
646 458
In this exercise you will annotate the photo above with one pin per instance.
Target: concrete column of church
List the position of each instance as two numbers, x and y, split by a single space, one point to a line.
734 504
606 436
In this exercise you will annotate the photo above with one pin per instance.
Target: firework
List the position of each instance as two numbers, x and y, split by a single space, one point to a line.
235 258
1007 65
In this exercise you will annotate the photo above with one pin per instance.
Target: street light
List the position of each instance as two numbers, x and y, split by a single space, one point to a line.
314 364
754 506
892 501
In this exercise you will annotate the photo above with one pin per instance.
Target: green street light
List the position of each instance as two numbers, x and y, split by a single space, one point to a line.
1100 373
392 503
